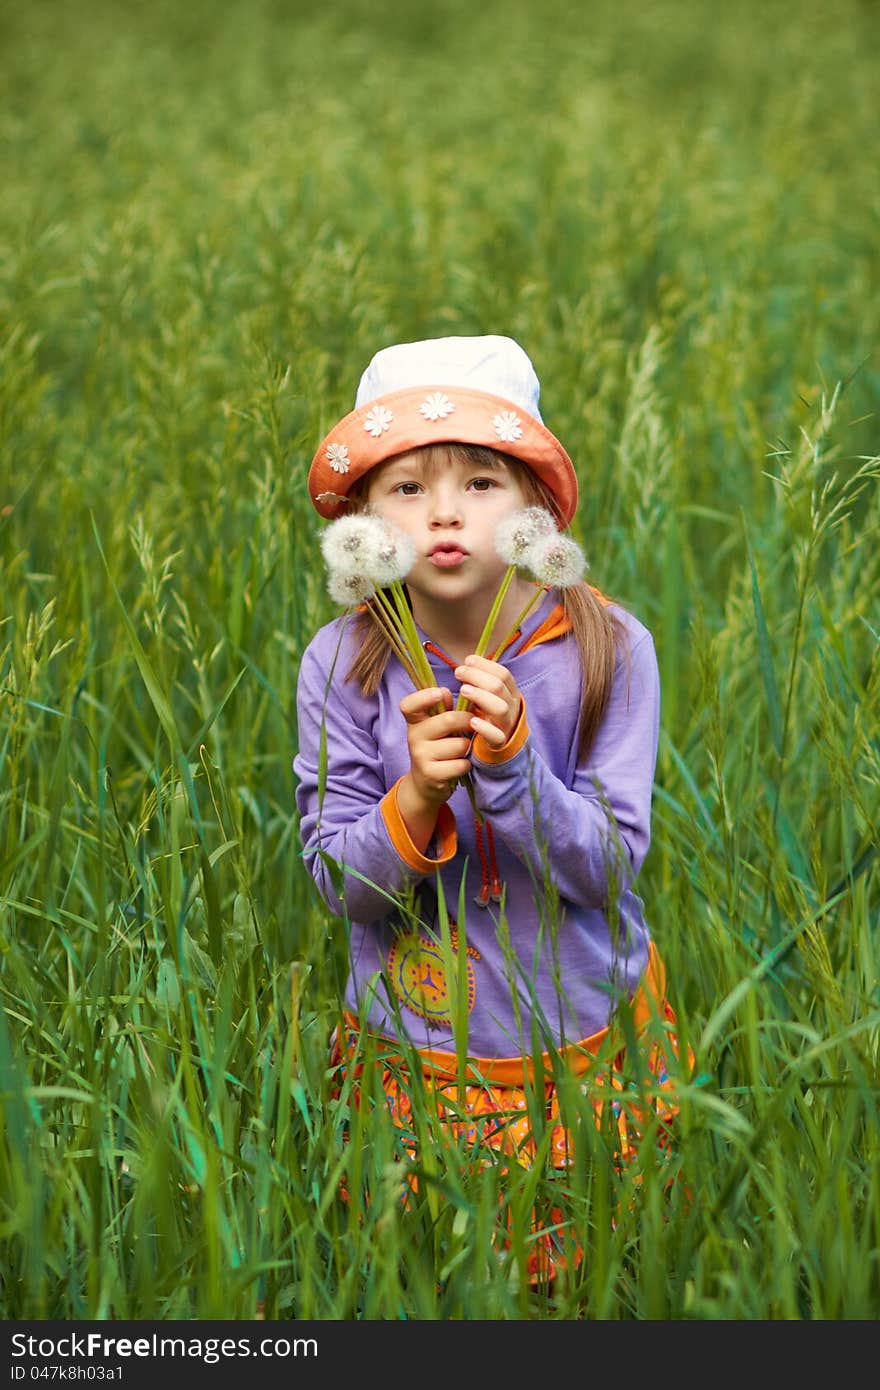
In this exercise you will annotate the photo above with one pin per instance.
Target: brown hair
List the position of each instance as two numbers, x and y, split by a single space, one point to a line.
594 628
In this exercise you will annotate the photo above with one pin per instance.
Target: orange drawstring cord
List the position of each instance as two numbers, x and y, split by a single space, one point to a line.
490 880
429 647
485 893
495 891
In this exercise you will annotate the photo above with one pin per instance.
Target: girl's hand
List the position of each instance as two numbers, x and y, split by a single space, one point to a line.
438 746
493 691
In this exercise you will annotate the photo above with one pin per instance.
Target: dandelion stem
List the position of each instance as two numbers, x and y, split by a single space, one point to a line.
410 634
467 782
485 635
540 589
495 610
381 613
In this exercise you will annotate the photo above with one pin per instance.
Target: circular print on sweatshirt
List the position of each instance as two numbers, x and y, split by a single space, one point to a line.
418 976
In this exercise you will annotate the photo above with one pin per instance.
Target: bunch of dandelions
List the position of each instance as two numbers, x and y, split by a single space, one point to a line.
530 542
367 561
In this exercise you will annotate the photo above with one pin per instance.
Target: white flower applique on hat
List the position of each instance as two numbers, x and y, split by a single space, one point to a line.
507 426
378 420
337 457
436 406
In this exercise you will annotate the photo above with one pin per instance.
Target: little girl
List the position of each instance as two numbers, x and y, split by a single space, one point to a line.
558 745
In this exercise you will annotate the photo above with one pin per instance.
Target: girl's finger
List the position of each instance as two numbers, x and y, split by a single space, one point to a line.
447 725
443 749
487 701
448 771
494 736
482 663
422 703
487 677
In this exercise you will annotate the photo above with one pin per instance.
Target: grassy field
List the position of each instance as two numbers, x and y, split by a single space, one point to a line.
212 215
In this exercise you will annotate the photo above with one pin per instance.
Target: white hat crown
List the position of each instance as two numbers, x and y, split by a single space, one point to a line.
492 363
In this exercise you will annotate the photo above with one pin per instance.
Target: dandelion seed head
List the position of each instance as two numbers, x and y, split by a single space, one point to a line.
391 556
516 534
347 543
367 547
348 589
557 561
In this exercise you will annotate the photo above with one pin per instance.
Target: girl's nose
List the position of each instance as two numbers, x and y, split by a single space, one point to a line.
445 509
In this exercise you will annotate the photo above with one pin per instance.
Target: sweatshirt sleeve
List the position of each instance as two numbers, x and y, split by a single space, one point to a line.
594 834
353 819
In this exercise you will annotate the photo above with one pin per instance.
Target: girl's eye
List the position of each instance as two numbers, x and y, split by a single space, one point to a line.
482 484
407 489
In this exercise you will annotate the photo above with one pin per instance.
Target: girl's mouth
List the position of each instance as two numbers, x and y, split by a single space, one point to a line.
447 558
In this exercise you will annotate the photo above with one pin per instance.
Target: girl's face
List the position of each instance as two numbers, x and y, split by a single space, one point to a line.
450 509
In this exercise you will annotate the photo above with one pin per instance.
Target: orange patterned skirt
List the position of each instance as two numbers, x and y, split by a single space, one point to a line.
492 1117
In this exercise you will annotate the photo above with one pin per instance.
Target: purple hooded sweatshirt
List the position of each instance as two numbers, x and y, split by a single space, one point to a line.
563 938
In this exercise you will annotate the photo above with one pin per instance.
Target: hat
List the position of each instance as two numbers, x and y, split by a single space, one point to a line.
470 390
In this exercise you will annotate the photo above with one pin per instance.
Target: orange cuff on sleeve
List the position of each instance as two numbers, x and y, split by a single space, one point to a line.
484 751
400 838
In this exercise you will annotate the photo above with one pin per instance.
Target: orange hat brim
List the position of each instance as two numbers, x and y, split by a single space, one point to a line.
401 420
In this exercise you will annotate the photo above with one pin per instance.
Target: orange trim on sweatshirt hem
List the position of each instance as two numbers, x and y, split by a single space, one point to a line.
402 842
647 1001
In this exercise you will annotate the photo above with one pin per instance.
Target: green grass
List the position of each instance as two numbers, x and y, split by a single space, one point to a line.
210 221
